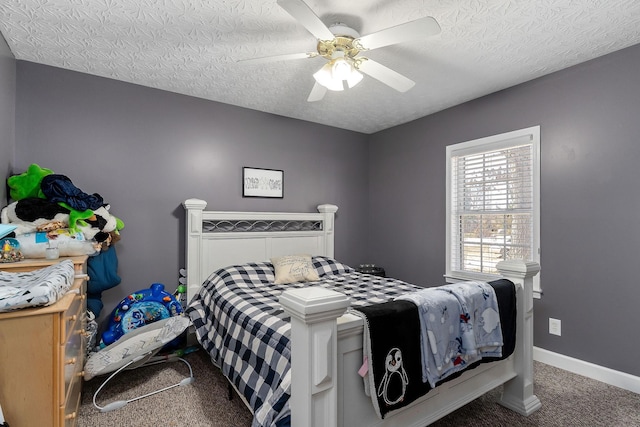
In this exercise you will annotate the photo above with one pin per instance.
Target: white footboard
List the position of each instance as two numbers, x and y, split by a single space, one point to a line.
326 355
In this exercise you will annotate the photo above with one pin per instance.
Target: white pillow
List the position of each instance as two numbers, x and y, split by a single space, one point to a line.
294 268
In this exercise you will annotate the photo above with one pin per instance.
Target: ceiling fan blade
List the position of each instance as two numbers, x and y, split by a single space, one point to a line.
317 93
300 11
386 75
275 58
413 30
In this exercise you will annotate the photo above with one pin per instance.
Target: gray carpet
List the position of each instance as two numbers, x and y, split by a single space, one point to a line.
567 400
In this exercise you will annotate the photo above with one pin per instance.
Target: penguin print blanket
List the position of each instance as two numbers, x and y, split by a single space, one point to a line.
394 347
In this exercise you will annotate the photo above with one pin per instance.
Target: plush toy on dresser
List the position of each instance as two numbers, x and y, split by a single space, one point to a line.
40 221
50 210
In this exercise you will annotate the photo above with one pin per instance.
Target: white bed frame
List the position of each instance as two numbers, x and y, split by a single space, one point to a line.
326 343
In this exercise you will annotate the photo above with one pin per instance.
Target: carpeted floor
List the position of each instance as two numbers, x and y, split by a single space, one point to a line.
567 400
202 403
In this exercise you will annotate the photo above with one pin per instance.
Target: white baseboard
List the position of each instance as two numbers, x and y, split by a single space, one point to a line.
587 369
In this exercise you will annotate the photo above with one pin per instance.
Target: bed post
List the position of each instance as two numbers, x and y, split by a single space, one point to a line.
192 244
314 346
517 393
329 212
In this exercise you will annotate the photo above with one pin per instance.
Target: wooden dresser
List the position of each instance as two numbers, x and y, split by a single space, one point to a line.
42 354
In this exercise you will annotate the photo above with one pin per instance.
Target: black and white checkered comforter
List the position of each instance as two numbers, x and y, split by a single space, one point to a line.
239 321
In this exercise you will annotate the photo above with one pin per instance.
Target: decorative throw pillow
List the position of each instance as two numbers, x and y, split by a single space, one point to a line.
294 268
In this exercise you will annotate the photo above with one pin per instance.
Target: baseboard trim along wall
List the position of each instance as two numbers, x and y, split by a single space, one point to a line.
589 370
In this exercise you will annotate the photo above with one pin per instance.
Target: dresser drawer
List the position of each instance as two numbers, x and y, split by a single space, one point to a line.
69 411
75 313
73 355
76 308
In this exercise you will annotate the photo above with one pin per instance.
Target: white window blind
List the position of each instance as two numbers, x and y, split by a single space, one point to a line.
492 202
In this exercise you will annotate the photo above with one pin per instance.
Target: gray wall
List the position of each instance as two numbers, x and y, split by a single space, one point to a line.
7 114
590 198
145 151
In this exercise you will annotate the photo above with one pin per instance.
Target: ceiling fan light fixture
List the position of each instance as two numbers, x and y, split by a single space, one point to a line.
324 77
337 71
341 68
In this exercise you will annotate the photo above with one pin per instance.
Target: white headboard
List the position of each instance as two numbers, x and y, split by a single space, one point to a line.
216 239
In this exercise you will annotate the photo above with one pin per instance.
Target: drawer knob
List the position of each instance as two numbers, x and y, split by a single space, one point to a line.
70 416
71 361
73 318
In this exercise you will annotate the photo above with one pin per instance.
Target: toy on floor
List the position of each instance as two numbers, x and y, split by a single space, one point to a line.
139 309
181 290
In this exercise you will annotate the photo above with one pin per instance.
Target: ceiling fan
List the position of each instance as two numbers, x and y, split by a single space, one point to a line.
342 45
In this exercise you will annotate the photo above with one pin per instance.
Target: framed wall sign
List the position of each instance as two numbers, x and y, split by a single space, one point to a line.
258 182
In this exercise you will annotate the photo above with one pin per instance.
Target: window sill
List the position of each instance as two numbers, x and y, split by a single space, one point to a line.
450 278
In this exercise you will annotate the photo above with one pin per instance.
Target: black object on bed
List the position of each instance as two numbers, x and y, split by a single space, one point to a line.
397 373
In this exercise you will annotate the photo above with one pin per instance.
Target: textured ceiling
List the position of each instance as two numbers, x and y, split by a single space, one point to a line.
191 47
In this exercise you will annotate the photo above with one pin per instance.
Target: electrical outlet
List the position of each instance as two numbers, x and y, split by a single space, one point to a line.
555 327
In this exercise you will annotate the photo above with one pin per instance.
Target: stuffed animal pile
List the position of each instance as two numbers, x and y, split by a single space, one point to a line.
48 209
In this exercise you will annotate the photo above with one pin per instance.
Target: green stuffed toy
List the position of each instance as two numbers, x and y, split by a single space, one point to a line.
76 217
27 184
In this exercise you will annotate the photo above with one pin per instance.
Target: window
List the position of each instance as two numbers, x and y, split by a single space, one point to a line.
493 203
